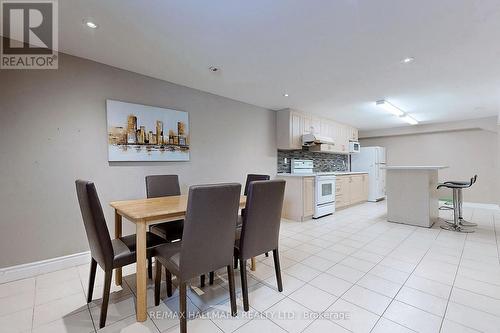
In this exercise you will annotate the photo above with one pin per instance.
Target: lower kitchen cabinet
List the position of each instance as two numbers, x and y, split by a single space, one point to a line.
298 204
350 190
299 198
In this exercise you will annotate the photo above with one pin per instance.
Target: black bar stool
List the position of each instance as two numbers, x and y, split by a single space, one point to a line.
459 224
461 220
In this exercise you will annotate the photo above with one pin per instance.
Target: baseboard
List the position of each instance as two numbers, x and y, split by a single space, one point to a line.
477 205
45 266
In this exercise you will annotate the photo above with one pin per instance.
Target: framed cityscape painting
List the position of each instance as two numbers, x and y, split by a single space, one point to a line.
146 133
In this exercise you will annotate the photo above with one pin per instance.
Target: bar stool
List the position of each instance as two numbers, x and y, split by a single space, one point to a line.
461 220
458 224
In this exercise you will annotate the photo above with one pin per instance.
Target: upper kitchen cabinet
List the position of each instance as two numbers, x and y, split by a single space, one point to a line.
291 125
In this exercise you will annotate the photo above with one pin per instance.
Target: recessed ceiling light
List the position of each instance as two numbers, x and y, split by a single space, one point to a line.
90 24
408 60
285 95
214 69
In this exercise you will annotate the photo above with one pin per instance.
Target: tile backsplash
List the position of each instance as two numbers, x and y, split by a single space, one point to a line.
323 162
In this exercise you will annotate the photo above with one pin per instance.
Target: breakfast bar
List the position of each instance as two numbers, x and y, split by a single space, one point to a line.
412 196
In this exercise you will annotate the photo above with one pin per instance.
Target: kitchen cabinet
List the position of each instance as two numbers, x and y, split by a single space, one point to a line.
291 125
298 204
351 189
308 192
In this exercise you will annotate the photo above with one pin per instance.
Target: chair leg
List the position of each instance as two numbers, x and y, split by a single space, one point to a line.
211 276
105 298
90 291
277 268
182 306
232 293
157 283
202 280
169 282
244 284
150 268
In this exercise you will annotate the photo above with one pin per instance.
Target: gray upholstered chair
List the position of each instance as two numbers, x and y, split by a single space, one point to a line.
207 241
259 232
252 177
108 253
164 186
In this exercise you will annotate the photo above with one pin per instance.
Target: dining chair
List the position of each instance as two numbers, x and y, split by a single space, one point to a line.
108 253
164 186
207 242
259 232
252 177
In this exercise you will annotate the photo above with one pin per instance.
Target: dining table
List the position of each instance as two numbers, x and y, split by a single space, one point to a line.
143 213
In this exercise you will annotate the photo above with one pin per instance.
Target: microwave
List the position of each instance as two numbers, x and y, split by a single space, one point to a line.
354 147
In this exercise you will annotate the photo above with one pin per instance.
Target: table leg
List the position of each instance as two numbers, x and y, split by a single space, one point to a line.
118 233
253 264
141 271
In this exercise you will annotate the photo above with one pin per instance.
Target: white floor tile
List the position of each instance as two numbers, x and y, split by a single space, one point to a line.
470 317
346 273
302 272
17 322
318 263
24 286
476 301
80 322
452 327
313 298
325 325
197 325
290 283
429 286
387 326
423 301
300 315
358 319
261 297
260 325
331 284
367 299
413 318
478 287
380 285
16 303
390 274
48 312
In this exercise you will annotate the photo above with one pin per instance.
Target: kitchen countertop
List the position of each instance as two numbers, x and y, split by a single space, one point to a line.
338 173
415 167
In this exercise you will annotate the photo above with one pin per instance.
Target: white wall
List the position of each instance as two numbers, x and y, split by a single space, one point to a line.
53 131
466 152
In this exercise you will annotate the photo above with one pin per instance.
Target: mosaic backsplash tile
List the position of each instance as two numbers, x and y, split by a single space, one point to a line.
323 162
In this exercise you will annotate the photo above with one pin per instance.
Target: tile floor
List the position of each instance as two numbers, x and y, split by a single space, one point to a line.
349 272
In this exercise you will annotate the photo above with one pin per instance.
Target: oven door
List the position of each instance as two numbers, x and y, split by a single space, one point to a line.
325 190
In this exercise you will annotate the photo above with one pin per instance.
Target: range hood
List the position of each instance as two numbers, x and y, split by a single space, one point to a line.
312 139
318 143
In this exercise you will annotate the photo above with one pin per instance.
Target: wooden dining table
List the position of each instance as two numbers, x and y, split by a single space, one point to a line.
145 212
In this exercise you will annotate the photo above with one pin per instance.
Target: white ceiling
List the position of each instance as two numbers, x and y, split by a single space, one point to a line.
334 58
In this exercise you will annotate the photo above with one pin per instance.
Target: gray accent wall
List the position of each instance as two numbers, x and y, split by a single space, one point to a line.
53 131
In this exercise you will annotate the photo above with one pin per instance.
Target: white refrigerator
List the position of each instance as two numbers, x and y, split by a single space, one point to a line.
371 160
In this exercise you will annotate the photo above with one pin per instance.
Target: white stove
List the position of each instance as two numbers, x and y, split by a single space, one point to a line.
324 196
324 203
